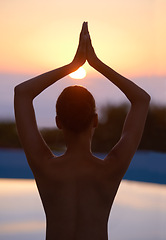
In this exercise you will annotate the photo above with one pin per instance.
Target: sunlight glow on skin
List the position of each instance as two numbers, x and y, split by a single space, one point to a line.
78 74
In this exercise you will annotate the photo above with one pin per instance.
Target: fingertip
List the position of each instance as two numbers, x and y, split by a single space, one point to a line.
83 25
87 25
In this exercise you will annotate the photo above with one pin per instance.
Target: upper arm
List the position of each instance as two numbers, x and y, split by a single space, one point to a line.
120 156
36 150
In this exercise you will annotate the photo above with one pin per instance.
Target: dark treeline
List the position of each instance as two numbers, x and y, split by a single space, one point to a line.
108 132
105 136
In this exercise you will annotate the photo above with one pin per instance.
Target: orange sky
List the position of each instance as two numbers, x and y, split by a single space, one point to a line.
38 36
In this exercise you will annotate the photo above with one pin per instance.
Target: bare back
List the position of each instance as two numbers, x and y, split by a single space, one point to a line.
77 197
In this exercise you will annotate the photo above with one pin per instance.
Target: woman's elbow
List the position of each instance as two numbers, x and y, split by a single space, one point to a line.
147 98
143 100
19 90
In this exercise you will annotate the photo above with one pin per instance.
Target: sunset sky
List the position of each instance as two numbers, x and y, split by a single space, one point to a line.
40 35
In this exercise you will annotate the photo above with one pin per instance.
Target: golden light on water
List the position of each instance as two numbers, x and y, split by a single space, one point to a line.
78 74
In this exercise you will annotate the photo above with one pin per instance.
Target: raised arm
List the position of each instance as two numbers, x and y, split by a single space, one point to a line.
121 155
35 148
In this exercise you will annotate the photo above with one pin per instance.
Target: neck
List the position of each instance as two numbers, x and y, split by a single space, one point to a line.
78 144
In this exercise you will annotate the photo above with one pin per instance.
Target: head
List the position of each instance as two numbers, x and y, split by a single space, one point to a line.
76 110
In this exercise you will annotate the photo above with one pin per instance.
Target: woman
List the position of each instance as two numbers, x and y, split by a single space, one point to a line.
77 189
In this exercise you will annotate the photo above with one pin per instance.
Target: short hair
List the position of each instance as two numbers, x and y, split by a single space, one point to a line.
75 108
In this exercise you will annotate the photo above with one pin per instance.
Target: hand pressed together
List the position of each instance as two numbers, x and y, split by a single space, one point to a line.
85 50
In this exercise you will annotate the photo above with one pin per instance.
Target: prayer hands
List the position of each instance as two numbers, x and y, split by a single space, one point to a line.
85 50
80 57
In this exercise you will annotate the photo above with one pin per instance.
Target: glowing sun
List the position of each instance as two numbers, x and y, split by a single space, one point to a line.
78 74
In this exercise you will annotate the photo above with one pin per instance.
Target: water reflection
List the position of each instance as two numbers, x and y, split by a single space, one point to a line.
139 211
